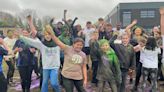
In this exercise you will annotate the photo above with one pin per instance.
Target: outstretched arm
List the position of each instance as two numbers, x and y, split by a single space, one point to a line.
65 12
64 19
73 22
32 27
162 20
127 29
162 29
51 21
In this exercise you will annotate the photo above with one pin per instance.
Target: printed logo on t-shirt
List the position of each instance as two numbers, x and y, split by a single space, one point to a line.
76 59
50 51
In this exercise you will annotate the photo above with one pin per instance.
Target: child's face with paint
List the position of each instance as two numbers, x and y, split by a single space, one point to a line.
105 47
47 36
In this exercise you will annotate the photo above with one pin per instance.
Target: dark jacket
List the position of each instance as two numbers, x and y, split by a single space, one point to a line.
2 53
108 70
106 35
125 54
94 50
25 57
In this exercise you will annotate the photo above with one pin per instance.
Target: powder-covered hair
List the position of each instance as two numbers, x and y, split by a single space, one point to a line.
47 27
102 41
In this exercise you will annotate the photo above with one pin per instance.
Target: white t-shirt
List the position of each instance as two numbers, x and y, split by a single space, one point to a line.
141 56
50 55
138 48
121 31
150 58
10 44
87 33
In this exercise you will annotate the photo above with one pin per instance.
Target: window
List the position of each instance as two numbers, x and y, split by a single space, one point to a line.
126 18
147 14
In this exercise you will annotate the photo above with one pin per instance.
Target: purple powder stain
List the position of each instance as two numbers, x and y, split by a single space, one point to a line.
34 84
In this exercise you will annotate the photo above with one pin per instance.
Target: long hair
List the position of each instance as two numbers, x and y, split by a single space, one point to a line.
151 43
46 28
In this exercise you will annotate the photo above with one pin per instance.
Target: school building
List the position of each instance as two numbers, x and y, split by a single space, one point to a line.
147 14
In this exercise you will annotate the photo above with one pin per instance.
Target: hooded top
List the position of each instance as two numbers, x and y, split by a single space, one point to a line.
126 54
108 67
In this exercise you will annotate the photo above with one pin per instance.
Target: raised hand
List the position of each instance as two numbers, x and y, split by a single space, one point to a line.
161 10
65 11
32 27
49 30
134 22
29 18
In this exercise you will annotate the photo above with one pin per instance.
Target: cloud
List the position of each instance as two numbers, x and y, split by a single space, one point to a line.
83 9
52 7
9 5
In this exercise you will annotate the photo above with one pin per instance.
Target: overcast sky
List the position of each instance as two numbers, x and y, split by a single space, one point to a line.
83 9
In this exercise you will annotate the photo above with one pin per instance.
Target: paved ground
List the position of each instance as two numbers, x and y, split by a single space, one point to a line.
16 87
89 88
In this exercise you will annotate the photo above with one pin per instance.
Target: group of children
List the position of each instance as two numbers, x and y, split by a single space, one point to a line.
112 57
